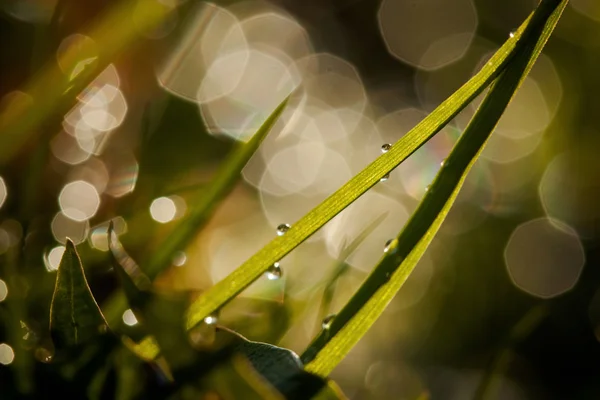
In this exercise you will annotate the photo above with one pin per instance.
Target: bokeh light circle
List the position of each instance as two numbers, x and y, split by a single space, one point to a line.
544 258
3 192
79 200
427 34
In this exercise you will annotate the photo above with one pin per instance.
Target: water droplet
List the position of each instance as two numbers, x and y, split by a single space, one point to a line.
512 34
386 147
327 321
282 229
211 319
274 272
385 178
387 246
179 259
129 318
427 188
443 163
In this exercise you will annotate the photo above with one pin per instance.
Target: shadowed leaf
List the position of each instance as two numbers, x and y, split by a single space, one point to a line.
74 315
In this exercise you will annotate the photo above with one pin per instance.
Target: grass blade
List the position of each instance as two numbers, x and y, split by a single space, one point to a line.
342 266
74 314
208 198
404 252
274 251
135 284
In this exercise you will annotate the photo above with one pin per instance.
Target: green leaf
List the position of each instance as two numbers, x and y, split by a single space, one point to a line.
274 251
236 379
74 315
208 198
404 252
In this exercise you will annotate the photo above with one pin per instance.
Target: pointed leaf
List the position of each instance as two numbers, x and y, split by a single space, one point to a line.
405 251
74 315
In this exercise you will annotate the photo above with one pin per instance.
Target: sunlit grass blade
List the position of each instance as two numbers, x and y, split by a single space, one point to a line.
402 255
208 197
53 91
274 251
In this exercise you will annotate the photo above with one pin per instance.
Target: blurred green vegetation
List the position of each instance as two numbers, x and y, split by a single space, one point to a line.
459 318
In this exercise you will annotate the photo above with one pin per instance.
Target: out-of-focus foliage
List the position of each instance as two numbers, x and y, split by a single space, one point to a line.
140 109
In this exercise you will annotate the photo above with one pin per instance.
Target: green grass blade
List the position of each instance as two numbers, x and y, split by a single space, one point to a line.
253 268
341 266
52 92
404 252
209 197
74 314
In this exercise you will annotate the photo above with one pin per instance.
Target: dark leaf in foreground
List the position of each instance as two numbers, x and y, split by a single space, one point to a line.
74 314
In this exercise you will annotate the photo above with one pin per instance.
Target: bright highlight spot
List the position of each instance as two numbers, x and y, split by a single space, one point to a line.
52 259
3 290
7 355
163 210
79 200
129 318
3 192
179 259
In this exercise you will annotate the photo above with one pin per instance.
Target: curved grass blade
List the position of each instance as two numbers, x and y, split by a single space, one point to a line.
341 267
274 251
404 252
74 314
53 92
208 198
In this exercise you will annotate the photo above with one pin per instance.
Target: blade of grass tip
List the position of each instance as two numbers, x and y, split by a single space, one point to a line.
208 198
53 91
274 251
401 256
342 266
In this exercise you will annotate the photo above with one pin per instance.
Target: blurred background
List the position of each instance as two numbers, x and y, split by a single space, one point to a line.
505 303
